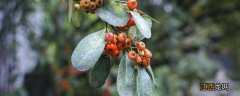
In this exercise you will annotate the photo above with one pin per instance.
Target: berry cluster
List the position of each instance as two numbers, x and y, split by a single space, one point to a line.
89 5
144 56
132 5
116 43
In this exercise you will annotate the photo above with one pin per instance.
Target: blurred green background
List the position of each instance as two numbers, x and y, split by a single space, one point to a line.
196 41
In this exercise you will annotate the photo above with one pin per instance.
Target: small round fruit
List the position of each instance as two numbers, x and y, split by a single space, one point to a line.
131 22
147 53
132 55
99 2
77 6
82 4
120 45
140 46
128 43
145 62
93 6
132 4
115 53
109 48
109 37
138 59
86 4
115 39
122 37
141 53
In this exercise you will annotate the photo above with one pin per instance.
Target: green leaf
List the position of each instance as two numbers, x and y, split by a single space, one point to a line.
129 80
88 51
70 10
113 13
144 84
150 73
142 24
125 78
134 34
100 72
76 18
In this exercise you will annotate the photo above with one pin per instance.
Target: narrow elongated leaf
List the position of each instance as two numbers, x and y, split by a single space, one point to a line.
100 72
144 84
150 73
113 13
70 10
88 51
125 88
142 24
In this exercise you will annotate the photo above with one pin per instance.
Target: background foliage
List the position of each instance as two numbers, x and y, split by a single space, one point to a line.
195 40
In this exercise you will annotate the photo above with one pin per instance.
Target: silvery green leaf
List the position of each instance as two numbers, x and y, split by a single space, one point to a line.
129 80
142 24
125 88
144 84
113 13
88 51
150 73
100 72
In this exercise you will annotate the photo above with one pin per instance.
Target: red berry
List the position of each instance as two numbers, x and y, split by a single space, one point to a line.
122 37
147 53
120 45
115 39
82 4
131 22
128 42
109 37
86 4
138 59
109 48
132 55
145 62
140 46
115 53
99 2
132 4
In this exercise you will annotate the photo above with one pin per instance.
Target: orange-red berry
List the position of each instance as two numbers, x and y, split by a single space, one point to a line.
145 62
109 48
138 59
147 53
86 4
128 43
140 46
109 37
99 2
115 53
131 22
132 4
122 37
120 45
132 55
115 39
